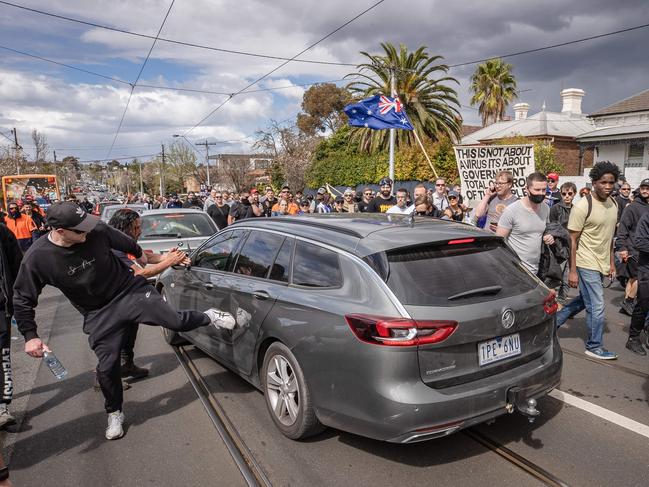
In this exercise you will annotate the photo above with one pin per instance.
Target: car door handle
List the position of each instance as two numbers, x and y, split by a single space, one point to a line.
261 295
209 286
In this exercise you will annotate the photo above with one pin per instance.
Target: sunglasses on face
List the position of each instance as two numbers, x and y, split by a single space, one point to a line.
569 193
625 189
440 184
78 232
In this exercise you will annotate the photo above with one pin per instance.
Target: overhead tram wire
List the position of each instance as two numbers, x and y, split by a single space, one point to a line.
284 64
311 61
171 88
171 41
134 84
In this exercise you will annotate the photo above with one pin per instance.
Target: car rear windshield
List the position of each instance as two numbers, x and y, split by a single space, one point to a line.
176 225
452 274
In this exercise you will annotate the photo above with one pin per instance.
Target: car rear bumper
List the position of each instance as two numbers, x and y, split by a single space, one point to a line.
405 413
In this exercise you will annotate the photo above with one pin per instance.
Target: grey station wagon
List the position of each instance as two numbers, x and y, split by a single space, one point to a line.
392 328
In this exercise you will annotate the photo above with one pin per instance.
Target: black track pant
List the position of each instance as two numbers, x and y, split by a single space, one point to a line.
108 326
128 347
6 383
641 306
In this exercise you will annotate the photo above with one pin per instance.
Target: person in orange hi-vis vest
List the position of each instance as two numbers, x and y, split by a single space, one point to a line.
21 225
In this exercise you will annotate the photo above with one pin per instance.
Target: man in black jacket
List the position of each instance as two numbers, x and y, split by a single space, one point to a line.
10 257
641 243
76 257
626 248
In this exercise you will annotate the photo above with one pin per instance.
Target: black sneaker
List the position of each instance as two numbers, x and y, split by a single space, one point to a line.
635 345
133 371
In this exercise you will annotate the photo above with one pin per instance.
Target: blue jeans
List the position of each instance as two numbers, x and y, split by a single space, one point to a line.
591 298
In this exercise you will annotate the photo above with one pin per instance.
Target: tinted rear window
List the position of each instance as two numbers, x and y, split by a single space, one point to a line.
431 274
176 225
316 266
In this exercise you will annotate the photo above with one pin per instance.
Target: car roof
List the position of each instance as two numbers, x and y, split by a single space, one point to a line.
367 233
162 211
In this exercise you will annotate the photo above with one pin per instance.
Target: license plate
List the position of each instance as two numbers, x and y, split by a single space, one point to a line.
500 348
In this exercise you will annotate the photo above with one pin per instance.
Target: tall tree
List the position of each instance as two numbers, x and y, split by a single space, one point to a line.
422 86
41 147
494 87
322 106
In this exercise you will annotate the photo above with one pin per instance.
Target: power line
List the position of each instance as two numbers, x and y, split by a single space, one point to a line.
528 51
284 64
130 95
171 41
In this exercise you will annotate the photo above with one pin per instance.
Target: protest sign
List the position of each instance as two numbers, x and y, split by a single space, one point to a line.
479 164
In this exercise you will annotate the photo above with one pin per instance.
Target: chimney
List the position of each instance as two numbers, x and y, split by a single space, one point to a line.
571 98
520 111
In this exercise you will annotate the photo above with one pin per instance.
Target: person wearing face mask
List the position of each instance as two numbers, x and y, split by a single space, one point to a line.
523 223
21 226
384 199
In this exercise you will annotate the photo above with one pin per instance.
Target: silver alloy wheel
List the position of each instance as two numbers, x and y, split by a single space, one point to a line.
282 390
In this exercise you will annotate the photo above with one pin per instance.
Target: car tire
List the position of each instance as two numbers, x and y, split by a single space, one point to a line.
170 336
287 394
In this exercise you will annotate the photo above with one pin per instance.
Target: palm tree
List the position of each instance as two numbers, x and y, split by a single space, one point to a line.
494 87
428 101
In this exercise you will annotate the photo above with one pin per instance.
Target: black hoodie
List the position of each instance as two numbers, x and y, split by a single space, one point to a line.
628 223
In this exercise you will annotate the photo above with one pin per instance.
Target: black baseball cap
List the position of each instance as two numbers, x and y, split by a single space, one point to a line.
644 182
385 182
70 216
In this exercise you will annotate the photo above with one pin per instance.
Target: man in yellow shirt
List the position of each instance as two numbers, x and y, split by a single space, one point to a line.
592 227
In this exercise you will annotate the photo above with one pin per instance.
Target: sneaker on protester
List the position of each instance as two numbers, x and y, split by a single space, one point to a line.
115 429
627 307
601 353
221 319
6 419
635 345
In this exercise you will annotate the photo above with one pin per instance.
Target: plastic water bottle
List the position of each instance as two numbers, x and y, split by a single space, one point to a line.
55 365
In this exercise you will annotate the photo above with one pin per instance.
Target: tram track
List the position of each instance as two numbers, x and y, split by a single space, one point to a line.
514 458
250 469
606 363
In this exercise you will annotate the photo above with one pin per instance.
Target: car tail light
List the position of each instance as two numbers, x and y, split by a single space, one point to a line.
399 332
460 241
550 305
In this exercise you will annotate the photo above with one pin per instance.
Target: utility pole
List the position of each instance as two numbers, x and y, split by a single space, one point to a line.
393 93
207 159
17 148
141 182
162 171
56 170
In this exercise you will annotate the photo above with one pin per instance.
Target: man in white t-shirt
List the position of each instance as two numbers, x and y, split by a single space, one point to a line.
401 208
440 200
522 224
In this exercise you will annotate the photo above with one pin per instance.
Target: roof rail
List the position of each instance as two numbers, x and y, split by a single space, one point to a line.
311 222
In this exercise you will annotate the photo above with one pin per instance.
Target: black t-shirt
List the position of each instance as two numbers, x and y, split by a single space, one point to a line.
381 205
239 210
89 274
219 214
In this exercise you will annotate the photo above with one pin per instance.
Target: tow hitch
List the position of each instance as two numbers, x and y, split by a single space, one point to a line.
524 406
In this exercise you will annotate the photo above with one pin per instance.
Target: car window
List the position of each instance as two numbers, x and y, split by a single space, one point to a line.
219 252
258 253
282 265
176 225
430 274
316 266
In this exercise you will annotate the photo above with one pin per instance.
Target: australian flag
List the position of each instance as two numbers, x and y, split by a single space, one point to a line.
379 112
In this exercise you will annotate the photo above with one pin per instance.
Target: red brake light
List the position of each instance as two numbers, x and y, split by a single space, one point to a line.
399 332
550 305
461 241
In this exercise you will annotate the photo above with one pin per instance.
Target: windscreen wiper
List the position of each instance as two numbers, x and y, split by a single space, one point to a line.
476 292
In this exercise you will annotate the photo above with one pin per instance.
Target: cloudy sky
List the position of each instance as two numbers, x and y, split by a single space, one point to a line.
80 113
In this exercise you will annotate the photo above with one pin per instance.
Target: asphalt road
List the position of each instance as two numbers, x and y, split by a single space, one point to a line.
170 440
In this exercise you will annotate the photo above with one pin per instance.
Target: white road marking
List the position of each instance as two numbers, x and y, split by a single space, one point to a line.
608 415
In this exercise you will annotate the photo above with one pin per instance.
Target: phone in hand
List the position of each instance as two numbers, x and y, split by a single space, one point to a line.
492 186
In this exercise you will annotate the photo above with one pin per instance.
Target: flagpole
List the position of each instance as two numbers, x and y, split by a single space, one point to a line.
393 90
430 163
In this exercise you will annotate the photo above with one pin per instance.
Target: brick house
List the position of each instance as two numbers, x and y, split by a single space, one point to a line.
559 129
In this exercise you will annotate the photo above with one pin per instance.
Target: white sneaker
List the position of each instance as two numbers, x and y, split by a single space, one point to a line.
6 419
220 319
115 421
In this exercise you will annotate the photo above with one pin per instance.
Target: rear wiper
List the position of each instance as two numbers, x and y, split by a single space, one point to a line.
476 292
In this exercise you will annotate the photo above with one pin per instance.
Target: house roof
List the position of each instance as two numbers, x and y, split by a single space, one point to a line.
635 103
614 131
544 123
469 129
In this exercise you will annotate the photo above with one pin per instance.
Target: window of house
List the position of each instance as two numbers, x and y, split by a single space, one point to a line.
635 157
